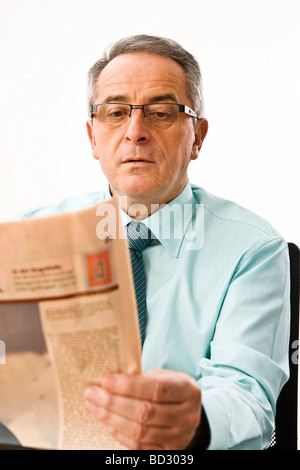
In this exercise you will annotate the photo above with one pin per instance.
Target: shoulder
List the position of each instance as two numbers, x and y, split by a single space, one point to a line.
232 215
68 204
236 236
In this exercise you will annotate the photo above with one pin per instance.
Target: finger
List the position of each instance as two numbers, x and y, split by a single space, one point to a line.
155 386
129 443
129 433
141 411
170 425
136 435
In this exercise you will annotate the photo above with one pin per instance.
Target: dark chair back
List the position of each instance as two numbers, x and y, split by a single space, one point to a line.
285 437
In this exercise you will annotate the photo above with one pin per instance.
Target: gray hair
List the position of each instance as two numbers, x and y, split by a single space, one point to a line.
155 45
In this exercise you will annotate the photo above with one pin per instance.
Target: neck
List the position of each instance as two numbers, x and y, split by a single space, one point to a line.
136 210
142 207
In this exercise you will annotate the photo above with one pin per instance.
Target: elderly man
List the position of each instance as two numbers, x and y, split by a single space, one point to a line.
215 335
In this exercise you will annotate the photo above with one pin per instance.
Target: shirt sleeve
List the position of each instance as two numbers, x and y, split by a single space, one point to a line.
248 363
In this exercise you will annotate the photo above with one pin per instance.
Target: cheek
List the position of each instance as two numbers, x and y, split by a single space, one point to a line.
103 155
106 148
182 141
106 164
180 152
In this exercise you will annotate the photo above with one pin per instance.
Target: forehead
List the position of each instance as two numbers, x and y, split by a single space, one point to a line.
142 76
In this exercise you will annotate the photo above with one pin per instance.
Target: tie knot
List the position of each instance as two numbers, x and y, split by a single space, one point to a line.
139 236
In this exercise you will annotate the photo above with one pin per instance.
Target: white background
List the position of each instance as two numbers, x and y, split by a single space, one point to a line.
249 55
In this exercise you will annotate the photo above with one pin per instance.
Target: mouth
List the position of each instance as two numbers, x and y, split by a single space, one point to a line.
137 161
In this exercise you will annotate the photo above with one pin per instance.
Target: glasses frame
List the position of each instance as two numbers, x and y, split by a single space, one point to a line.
181 107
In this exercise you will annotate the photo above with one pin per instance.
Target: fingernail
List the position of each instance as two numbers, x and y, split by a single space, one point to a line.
90 393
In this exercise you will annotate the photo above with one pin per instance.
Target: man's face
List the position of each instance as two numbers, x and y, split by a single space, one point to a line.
148 164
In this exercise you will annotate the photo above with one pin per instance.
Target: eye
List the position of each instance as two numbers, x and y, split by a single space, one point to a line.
159 112
117 112
162 113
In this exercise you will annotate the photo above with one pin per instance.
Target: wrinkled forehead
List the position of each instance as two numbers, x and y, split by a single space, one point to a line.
142 76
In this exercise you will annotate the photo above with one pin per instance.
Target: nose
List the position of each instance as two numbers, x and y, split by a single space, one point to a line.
137 131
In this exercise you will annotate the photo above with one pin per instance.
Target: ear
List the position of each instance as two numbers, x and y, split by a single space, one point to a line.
91 135
200 130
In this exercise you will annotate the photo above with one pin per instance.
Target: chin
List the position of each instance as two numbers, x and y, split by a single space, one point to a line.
137 188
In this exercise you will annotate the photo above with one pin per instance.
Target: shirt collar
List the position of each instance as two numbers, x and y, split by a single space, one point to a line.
170 222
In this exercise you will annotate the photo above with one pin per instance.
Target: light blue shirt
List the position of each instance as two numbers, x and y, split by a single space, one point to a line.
217 308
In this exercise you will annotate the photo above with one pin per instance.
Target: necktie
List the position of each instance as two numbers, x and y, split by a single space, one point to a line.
139 236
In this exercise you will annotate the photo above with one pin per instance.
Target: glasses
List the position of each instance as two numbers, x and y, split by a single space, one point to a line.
159 114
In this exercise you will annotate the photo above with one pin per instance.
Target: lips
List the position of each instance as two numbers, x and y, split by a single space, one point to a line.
136 160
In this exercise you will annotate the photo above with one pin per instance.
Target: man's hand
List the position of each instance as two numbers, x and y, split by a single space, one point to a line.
157 410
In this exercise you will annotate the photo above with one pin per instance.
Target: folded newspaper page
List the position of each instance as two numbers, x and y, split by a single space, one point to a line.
67 317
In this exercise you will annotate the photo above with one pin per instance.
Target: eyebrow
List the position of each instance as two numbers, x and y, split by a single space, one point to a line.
155 99
163 98
115 99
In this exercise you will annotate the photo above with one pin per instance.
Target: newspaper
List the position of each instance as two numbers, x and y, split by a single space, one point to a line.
67 317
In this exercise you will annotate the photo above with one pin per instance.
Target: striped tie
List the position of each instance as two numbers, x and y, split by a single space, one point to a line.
139 236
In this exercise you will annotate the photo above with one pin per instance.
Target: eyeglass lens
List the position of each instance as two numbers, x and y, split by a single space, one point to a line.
158 114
